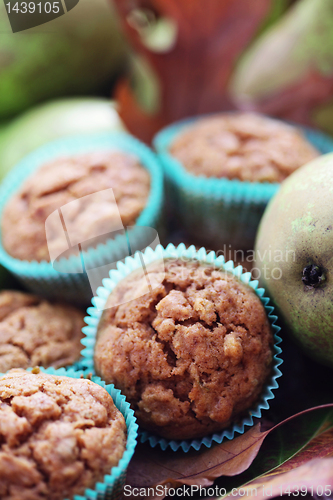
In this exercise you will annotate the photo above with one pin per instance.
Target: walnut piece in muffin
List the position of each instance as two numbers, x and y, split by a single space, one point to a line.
58 436
64 180
244 146
191 356
35 332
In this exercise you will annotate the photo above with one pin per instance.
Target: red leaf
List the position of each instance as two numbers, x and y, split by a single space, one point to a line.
195 72
312 477
151 467
305 463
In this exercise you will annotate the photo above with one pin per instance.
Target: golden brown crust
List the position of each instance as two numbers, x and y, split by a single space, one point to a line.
243 146
58 436
192 355
35 332
66 179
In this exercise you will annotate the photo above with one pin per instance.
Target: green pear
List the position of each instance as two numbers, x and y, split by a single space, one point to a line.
78 53
294 256
52 120
300 42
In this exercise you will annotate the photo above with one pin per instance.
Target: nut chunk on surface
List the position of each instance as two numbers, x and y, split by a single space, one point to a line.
35 332
58 436
193 355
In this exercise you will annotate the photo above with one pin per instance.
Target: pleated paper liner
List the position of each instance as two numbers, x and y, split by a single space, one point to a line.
72 284
219 210
133 263
111 486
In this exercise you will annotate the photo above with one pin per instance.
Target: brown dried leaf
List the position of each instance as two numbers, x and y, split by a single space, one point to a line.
150 467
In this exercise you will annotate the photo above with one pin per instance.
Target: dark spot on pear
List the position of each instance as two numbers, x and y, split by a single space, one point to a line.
313 276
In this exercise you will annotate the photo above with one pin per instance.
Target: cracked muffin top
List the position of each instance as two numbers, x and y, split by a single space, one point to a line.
243 146
34 332
64 180
58 436
191 356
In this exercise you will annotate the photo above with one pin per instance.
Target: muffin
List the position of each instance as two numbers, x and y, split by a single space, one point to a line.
35 332
59 436
243 146
193 355
64 190
221 171
63 180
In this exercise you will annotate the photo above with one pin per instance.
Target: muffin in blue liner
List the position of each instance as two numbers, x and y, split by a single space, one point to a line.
113 483
160 254
220 210
68 278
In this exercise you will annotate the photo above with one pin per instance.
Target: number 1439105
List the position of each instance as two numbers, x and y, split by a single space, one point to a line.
299 490
34 7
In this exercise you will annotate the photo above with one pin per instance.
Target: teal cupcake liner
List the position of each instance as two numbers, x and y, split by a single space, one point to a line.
220 210
113 483
71 284
124 269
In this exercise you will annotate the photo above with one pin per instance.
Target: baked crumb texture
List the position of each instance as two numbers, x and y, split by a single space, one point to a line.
64 180
58 436
36 332
192 355
243 146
